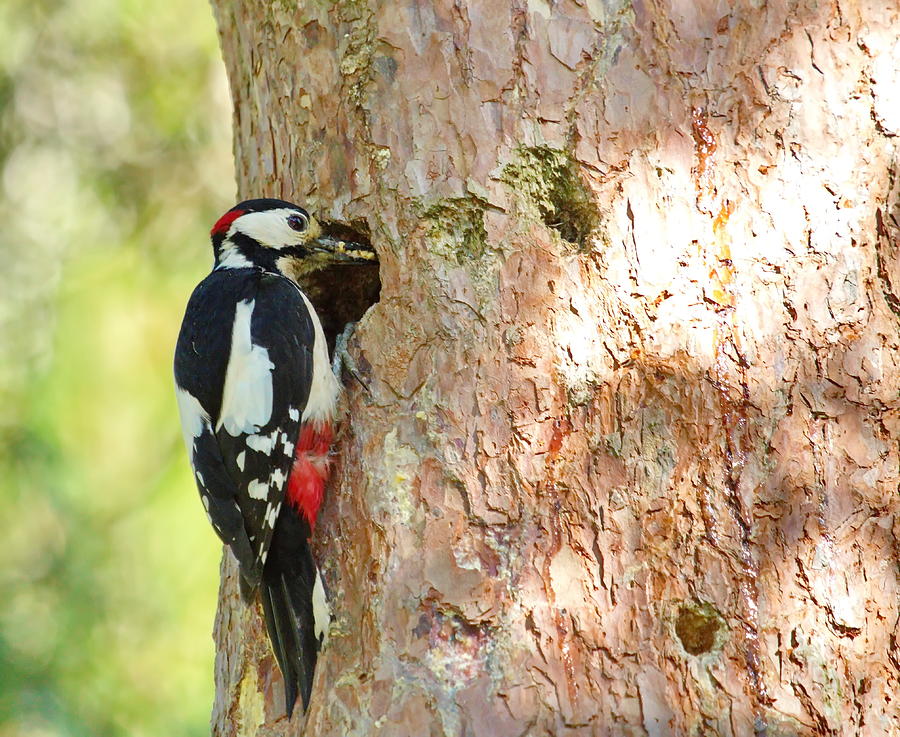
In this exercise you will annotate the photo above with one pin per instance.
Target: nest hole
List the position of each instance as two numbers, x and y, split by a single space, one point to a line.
342 293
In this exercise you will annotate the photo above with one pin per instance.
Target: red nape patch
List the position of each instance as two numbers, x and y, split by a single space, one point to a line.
224 223
306 484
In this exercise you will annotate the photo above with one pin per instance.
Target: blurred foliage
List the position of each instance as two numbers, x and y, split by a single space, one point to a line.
115 158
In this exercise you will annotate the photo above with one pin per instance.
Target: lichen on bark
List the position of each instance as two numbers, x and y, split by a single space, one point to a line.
548 186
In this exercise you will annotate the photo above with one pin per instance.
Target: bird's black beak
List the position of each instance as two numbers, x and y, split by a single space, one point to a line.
343 251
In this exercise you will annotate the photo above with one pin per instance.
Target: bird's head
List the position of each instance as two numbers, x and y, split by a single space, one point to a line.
278 236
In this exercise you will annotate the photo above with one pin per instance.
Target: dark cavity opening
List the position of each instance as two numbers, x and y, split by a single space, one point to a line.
697 626
342 293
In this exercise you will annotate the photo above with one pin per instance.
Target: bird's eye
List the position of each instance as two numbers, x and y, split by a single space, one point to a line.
298 223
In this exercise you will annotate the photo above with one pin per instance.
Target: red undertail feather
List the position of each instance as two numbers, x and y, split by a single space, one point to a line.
306 484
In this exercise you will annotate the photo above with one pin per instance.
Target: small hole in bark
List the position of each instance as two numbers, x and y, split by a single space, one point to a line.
342 293
698 626
551 182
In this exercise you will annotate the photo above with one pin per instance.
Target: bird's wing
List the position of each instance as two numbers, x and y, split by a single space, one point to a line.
251 402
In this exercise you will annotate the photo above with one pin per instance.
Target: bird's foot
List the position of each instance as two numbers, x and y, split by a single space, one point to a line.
342 360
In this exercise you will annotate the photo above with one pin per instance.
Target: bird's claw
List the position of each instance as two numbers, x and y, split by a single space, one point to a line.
343 360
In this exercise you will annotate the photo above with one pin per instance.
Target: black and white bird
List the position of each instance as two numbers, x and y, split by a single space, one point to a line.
256 394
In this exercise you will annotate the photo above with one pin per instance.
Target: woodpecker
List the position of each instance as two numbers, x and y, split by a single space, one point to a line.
256 394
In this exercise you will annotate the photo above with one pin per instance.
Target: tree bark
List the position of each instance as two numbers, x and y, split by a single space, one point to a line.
630 461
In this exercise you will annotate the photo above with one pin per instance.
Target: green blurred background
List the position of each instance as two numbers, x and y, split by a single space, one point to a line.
115 156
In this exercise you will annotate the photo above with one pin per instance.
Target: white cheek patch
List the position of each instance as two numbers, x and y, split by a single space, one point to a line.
231 258
247 396
269 228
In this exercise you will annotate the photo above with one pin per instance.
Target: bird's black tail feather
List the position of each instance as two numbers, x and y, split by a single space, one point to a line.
288 590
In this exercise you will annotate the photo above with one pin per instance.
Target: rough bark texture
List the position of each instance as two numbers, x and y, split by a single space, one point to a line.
629 465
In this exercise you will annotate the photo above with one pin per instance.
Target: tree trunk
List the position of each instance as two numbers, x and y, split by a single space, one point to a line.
630 462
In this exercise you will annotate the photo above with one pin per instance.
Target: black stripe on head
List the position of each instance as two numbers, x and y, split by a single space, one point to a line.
267 203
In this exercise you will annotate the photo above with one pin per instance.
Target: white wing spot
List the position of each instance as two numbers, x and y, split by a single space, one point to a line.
294 413
241 459
257 489
247 396
272 515
205 500
200 478
277 478
262 443
288 449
